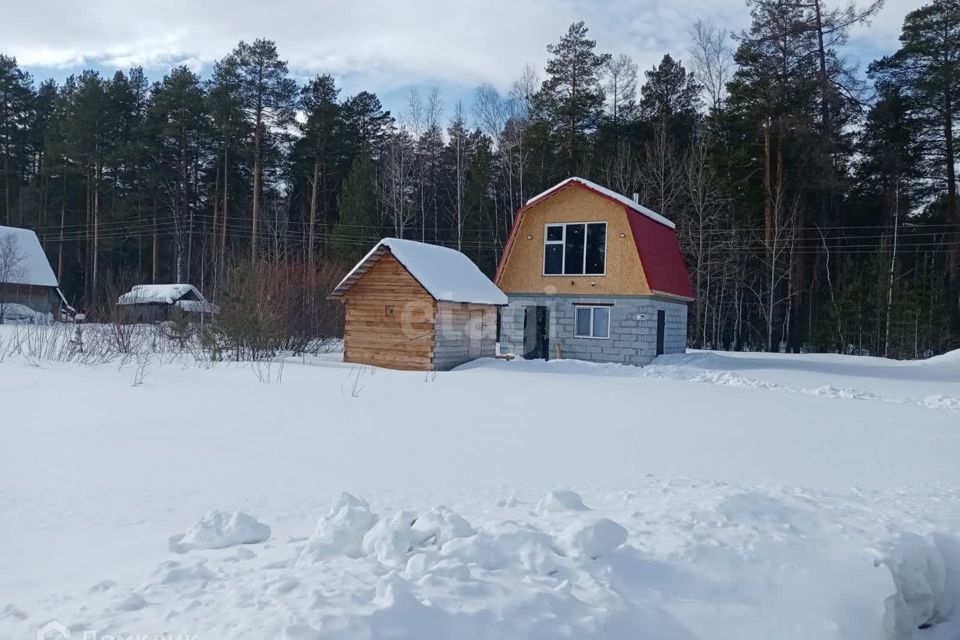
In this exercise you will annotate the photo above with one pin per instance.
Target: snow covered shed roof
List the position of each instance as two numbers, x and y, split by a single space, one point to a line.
30 265
160 294
446 274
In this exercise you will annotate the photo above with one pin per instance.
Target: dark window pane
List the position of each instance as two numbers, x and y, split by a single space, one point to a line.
554 233
553 259
583 321
601 322
574 249
596 247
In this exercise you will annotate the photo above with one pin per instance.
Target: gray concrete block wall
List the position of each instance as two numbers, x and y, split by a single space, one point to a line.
451 346
632 340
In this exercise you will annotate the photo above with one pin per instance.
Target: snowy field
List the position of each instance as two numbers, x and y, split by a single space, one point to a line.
708 496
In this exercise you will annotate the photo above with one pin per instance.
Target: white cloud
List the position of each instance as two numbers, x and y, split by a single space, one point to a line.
377 44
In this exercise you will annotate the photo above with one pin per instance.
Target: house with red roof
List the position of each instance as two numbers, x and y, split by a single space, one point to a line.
593 275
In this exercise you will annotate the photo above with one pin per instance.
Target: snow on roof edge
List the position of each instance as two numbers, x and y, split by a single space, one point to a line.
636 206
356 267
32 266
158 293
447 274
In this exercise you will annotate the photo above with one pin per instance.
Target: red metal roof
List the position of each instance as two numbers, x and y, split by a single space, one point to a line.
660 256
657 244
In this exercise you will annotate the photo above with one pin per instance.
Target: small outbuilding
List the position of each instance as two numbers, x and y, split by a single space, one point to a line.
417 306
147 303
29 290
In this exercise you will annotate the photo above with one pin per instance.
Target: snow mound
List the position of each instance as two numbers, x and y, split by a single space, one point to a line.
560 500
13 313
341 531
507 545
593 539
950 357
438 526
390 539
219 530
173 572
926 573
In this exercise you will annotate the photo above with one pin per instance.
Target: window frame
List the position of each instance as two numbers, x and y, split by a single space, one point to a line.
563 249
592 308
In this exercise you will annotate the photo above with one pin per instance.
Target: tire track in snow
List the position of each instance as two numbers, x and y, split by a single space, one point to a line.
937 402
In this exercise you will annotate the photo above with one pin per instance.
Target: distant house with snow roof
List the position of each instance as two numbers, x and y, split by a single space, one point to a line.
417 306
594 275
146 303
28 287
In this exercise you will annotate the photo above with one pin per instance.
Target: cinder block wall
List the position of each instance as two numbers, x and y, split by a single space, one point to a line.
632 340
451 346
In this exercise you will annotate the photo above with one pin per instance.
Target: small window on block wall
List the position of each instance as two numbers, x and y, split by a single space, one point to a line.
389 311
591 322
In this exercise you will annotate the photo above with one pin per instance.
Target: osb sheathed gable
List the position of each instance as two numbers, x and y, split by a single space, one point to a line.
642 253
521 270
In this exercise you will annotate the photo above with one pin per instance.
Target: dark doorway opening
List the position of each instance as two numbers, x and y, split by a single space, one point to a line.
661 328
536 338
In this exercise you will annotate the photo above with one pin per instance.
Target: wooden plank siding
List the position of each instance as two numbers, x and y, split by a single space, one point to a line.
40 299
390 319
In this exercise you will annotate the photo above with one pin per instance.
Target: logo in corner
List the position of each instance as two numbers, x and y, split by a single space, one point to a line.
54 630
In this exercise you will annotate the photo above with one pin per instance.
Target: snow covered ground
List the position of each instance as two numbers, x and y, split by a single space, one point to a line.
707 496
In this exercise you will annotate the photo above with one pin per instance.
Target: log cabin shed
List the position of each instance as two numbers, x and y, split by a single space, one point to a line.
148 303
417 306
29 289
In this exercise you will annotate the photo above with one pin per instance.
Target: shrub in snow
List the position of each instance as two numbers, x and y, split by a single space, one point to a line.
341 531
438 526
926 573
221 529
560 500
593 539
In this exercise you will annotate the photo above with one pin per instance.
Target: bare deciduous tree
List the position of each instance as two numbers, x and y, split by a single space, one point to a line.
775 287
705 206
712 60
11 268
396 181
620 85
661 173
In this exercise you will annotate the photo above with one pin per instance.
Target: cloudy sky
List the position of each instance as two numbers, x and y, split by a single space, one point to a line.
382 46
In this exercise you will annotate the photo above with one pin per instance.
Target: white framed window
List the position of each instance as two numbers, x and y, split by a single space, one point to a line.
575 249
591 321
